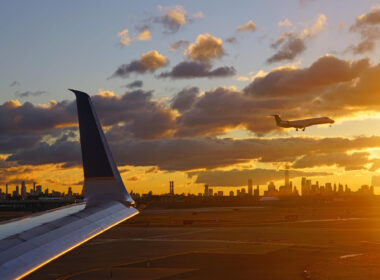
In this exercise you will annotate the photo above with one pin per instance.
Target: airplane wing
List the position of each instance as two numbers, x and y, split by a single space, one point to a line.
30 242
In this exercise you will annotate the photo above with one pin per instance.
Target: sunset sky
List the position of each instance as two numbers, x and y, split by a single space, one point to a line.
184 90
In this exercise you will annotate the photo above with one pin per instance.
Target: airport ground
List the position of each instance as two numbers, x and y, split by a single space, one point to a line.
261 242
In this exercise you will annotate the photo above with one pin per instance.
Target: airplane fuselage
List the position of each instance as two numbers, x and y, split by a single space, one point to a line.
302 124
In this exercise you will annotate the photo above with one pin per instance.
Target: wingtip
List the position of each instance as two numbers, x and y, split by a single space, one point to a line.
78 93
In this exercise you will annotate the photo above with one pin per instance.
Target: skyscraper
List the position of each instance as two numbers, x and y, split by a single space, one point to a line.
171 188
287 177
250 189
23 189
206 191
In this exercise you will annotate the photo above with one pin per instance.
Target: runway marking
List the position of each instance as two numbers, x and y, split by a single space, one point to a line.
350 256
180 234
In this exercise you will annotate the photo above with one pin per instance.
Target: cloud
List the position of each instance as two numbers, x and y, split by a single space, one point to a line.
291 44
172 18
316 28
231 40
368 28
237 178
135 113
291 47
286 22
352 161
63 152
30 93
198 15
153 169
205 48
184 99
287 81
144 35
135 84
179 44
149 62
249 26
14 83
133 178
125 39
192 69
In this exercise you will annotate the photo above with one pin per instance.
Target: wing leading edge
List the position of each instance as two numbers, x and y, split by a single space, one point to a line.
28 243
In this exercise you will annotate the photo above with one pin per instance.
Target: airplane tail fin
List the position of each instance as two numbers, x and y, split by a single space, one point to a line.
277 118
102 181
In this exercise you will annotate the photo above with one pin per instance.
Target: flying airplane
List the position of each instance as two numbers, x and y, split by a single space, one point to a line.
30 242
302 124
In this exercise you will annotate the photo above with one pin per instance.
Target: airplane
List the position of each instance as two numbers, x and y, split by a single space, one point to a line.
302 124
30 242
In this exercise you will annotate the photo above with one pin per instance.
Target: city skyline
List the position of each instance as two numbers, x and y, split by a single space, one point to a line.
184 92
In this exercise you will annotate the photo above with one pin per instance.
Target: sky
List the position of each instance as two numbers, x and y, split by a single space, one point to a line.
184 91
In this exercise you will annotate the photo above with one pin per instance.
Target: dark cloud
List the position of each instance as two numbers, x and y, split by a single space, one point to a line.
135 112
289 48
30 93
149 62
135 84
352 161
184 99
195 153
326 70
10 143
231 40
179 44
236 178
63 152
368 28
15 83
172 18
192 69
291 44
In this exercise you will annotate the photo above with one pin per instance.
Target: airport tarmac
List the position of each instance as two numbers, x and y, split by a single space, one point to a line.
230 243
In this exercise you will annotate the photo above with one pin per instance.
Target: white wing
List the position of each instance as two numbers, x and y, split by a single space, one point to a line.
30 242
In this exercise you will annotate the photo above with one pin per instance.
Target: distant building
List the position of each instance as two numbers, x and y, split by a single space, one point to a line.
171 188
206 193
250 189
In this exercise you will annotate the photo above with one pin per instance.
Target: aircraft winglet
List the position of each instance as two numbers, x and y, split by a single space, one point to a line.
102 179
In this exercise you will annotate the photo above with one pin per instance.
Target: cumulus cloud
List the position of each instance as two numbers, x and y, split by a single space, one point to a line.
249 26
125 39
237 177
287 81
179 44
135 113
205 48
291 47
291 44
172 18
193 69
286 22
368 28
135 84
184 99
144 35
148 62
